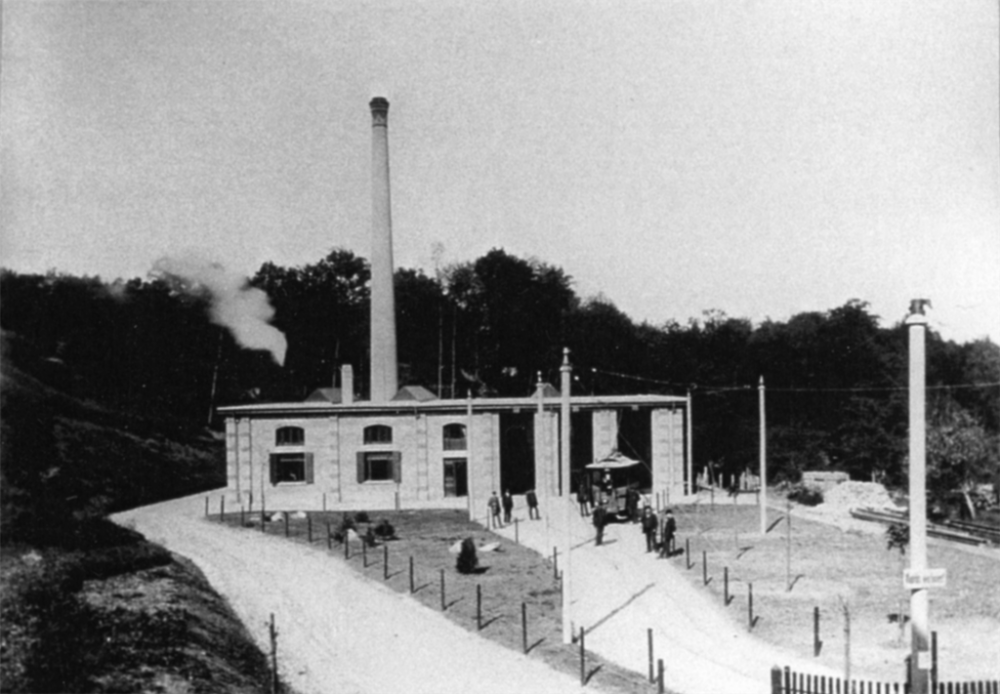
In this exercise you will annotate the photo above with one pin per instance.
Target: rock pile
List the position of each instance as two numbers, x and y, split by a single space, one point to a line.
848 495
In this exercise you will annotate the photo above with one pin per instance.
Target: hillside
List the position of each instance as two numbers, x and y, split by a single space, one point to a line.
86 605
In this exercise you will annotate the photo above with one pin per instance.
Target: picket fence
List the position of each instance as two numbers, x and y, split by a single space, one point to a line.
788 681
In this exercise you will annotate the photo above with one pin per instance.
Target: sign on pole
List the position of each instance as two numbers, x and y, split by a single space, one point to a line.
914 579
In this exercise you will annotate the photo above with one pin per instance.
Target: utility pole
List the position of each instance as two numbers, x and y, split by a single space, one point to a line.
763 458
690 488
470 466
566 372
920 660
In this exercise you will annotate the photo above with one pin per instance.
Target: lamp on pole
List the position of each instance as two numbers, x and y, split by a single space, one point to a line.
566 372
919 642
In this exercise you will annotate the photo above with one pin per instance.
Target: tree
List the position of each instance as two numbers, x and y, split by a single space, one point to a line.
960 455
511 317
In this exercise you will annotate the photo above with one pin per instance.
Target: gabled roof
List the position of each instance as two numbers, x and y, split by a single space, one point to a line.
418 393
325 395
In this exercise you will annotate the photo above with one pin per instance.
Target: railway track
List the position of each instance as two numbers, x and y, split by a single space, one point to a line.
967 532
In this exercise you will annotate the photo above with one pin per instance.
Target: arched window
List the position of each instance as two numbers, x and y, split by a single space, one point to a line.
289 436
454 437
378 433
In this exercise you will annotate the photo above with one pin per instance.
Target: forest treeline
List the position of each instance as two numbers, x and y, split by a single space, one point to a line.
836 380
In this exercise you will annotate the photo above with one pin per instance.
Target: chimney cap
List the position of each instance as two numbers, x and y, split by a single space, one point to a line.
379 106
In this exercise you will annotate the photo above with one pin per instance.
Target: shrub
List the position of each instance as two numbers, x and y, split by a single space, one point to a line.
467 559
385 530
897 536
361 517
807 496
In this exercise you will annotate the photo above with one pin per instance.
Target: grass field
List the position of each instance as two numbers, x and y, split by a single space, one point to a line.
508 577
832 569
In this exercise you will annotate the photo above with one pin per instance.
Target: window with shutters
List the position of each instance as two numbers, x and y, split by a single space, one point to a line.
289 436
291 468
379 466
378 433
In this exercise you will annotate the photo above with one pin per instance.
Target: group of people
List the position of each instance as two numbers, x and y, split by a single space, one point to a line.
507 504
660 531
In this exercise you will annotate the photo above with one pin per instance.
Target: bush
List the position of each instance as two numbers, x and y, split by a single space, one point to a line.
467 559
361 517
385 530
807 496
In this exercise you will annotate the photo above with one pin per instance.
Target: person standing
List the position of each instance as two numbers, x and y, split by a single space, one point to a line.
532 500
600 516
583 496
508 505
494 504
649 527
632 504
669 531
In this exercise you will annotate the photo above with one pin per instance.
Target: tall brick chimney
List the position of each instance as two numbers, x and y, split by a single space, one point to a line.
384 370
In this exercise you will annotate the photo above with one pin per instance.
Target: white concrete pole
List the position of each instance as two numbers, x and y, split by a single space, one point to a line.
690 488
543 485
566 372
470 468
919 641
763 458
383 370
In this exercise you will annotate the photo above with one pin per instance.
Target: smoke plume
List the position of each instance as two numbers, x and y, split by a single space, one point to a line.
235 305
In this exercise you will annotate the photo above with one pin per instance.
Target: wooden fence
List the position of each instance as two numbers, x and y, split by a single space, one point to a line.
789 682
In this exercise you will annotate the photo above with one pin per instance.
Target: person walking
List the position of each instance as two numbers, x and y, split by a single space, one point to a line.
600 517
649 527
532 500
494 504
508 506
669 530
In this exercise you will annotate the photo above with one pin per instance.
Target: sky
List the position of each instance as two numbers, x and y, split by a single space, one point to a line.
761 158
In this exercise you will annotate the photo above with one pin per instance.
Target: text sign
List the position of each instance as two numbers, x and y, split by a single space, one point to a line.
925 578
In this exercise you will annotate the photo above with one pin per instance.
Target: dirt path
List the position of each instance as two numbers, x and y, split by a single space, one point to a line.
337 631
620 592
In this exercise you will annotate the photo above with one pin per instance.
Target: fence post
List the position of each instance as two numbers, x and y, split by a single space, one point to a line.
329 536
274 656
524 627
364 554
934 663
411 574
816 642
649 638
687 552
555 563
385 562
704 567
659 676
285 514
206 507
725 586
347 544
776 680
263 521
222 507
324 502
750 604
583 658
479 607
443 607
309 527
243 517
517 537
